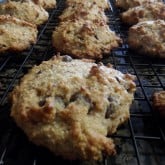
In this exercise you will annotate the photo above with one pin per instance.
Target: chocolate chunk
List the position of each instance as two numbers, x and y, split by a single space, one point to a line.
117 79
42 103
110 111
67 58
39 72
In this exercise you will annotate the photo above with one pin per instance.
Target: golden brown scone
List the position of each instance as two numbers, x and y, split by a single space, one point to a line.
16 34
46 4
87 11
148 38
100 3
25 10
84 39
126 4
149 11
69 106
159 102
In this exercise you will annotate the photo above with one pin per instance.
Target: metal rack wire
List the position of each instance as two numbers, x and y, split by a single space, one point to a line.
140 141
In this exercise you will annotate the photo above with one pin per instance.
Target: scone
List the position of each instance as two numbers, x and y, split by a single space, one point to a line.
126 4
87 11
149 11
26 10
84 39
69 106
148 38
15 34
159 102
46 4
100 3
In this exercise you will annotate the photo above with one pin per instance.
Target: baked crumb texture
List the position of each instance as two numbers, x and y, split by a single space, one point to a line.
70 106
159 103
83 31
16 34
148 38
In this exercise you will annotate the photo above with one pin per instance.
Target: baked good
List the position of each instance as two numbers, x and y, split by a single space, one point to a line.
148 38
159 102
100 3
84 39
126 4
25 10
15 34
46 4
69 106
87 11
149 11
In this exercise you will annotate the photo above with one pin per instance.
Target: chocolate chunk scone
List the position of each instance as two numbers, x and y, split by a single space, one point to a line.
100 3
148 38
69 106
126 4
26 10
15 34
84 39
87 11
149 11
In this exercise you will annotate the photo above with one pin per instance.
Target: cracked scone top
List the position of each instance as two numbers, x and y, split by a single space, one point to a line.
84 39
69 106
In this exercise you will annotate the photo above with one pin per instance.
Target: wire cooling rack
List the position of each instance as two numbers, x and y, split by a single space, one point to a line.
140 141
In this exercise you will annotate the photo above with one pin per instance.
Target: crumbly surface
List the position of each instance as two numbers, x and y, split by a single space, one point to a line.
84 39
46 4
148 38
126 4
69 106
87 11
15 34
149 11
26 10
100 3
159 102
